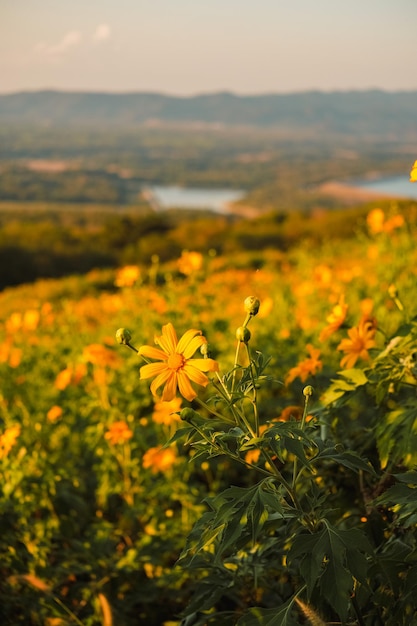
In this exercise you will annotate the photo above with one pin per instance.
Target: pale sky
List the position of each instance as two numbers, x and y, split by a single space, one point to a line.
187 47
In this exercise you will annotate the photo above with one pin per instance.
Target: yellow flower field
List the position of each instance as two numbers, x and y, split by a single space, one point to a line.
292 448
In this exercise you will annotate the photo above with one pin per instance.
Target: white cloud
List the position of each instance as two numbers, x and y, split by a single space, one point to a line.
102 32
71 39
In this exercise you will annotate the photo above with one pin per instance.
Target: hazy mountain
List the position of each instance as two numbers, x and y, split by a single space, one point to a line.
356 112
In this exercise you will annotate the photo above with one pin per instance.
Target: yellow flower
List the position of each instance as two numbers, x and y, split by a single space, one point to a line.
127 276
54 413
8 440
413 173
159 459
190 262
166 412
309 366
118 432
176 367
361 339
375 220
335 319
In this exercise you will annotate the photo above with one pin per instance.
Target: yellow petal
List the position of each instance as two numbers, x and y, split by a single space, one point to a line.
189 343
159 381
168 340
170 389
185 387
413 173
204 365
152 369
153 353
196 375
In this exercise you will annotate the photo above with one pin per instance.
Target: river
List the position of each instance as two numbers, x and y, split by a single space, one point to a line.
169 197
396 186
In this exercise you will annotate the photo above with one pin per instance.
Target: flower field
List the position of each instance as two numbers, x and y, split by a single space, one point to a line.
271 478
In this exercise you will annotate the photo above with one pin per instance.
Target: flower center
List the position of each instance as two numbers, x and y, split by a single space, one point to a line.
175 361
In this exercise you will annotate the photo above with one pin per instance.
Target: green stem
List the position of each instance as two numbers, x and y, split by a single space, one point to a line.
255 395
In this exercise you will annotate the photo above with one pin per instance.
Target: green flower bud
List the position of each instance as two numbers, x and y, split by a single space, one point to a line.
189 415
123 336
204 349
252 305
243 334
308 391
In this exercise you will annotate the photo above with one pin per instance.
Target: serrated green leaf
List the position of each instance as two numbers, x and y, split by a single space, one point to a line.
281 616
347 458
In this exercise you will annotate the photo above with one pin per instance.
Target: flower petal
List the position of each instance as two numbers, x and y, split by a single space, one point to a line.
193 345
168 340
184 386
170 389
159 381
152 369
204 365
195 375
186 344
153 353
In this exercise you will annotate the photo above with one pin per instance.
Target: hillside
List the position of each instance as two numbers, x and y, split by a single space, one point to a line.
354 112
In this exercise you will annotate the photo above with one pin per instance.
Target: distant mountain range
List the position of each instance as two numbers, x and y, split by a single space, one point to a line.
356 112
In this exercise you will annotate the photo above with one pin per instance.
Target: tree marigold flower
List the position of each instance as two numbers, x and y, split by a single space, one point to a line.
159 459
176 367
307 367
118 432
190 262
361 339
167 412
335 319
8 440
413 173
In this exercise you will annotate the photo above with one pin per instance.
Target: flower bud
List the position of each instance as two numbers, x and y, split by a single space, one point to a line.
189 415
123 336
252 305
308 391
204 349
243 334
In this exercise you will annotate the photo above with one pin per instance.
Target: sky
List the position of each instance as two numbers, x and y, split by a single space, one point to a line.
189 47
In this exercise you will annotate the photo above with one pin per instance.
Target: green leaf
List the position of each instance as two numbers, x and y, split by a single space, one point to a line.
281 616
347 458
331 559
348 381
402 497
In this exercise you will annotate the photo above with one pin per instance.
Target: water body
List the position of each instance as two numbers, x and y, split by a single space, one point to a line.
169 197
395 186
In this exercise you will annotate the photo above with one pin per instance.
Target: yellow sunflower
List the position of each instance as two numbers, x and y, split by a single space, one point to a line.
176 367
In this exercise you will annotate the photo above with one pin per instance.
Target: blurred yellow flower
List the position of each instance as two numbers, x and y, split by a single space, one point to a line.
71 375
118 432
375 220
190 262
98 354
54 413
8 440
413 173
176 367
166 412
393 222
377 223
335 319
361 339
159 459
252 456
307 367
127 276
31 319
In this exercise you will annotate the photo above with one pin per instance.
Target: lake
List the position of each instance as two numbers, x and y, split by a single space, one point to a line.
396 186
169 197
